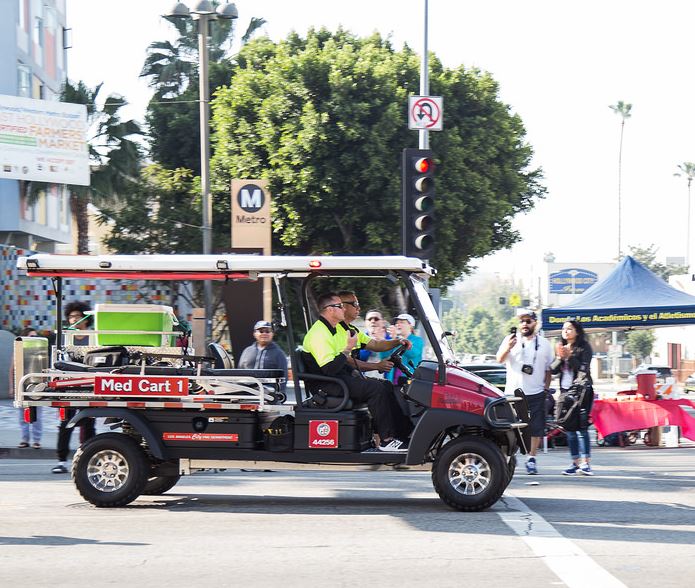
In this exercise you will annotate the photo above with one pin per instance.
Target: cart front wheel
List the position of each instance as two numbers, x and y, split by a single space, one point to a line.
470 473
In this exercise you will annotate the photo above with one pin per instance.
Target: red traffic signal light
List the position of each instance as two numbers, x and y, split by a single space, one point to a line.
418 203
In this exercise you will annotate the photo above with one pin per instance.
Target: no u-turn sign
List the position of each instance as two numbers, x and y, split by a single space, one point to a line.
425 112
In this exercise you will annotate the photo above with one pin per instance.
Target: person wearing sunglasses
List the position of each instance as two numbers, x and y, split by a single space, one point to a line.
264 354
328 348
528 359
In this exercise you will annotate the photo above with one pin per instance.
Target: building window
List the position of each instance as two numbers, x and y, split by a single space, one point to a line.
23 81
38 32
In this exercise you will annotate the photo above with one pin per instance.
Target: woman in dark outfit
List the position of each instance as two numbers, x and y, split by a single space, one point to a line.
573 358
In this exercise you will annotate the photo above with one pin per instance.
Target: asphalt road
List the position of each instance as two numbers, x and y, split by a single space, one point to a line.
632 524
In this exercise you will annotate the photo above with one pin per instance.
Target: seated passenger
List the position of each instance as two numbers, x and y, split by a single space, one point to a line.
330 342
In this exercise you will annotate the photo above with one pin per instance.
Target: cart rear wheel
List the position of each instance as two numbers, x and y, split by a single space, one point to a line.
160 484
110 470
470 474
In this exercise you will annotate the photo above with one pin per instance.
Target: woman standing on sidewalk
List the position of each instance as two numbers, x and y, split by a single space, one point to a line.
572 362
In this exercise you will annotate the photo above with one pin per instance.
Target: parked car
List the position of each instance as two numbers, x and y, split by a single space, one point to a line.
484 358
689 384
494 373
662 372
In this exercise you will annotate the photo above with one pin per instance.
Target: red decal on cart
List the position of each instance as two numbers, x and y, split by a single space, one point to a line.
323 434
140 385
232 437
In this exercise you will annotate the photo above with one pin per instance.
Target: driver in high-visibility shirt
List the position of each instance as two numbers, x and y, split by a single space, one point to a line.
330 342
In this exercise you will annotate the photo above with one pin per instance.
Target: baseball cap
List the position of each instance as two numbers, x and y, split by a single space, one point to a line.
262 325
526 312
406 317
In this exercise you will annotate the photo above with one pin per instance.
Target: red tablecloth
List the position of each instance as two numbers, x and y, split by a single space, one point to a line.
611 416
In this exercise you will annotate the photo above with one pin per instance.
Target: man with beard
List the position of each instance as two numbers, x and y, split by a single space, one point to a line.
528 359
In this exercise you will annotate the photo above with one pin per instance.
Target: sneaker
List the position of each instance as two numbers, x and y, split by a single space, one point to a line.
394 446
531 468
585 469
36 445
23 444
60 469
571 471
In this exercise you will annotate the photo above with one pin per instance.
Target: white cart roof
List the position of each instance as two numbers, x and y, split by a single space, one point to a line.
223 266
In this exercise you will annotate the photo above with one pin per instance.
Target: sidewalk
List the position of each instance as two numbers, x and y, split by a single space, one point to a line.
10 434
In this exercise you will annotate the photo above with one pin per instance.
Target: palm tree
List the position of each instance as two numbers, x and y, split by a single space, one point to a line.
114 156
687 170
171 67
623 109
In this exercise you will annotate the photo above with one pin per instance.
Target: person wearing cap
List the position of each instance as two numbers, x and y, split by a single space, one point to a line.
264 354
528 359
328 349
375 327
405 327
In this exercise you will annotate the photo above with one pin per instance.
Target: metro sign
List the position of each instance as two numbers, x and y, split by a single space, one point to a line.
140 386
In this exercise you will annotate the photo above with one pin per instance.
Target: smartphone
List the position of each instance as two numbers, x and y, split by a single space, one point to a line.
512 331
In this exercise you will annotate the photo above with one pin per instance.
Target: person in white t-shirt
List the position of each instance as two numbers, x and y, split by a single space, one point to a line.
528 359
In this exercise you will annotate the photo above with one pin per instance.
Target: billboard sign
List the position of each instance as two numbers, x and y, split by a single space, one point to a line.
571 280
43 141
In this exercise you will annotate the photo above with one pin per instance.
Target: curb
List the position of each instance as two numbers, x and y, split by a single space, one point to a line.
29 453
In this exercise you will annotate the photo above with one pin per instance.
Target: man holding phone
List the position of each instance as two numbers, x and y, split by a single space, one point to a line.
528 358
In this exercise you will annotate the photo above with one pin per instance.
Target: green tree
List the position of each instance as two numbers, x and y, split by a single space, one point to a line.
622 109
322 118
172 71
113 154
640 343
161 214
647 257
687 170
476 332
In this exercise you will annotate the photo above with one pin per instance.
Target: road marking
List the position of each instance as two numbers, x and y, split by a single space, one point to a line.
572 565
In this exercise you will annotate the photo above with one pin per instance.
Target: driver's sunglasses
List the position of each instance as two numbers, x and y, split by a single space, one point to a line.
352 303
526 321
334 305
264 330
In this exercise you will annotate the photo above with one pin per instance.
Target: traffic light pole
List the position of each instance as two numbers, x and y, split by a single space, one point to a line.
423 134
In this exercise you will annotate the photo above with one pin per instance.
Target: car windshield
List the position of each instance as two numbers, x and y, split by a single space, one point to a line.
433 319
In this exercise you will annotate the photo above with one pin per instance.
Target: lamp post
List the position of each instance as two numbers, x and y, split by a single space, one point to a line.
204 12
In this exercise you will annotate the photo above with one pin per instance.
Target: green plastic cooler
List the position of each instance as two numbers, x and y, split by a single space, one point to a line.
134 317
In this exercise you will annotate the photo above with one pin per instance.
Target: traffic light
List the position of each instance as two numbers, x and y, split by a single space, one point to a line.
418 203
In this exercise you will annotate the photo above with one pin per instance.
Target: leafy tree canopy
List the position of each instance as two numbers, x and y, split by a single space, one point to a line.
323 119
162 214
640 343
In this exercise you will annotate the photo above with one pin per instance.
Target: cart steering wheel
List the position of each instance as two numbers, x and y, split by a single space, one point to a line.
396 359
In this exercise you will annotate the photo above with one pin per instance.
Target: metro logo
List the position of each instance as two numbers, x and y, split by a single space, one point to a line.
323 434
140 386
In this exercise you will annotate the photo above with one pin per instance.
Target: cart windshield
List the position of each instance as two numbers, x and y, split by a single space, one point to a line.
441 340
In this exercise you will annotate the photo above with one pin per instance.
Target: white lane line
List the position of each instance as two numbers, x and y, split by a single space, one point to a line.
572 565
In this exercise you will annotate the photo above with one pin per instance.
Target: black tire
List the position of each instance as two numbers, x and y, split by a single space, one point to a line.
511 468
484 466
110 470
160 484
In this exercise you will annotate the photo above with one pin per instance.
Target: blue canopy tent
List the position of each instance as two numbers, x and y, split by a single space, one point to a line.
630 297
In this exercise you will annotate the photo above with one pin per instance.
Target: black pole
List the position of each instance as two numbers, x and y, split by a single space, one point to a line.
58 287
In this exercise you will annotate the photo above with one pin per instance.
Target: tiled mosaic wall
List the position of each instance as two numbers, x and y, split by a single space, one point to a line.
26 301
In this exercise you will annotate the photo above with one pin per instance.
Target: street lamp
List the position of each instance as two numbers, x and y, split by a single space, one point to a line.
204 12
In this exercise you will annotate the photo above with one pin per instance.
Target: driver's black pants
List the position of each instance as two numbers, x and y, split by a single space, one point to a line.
380 397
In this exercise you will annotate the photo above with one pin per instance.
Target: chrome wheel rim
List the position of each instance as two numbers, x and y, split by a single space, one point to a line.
107 470
469 474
